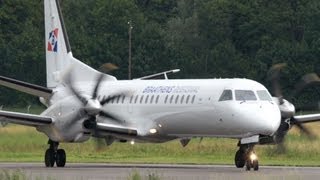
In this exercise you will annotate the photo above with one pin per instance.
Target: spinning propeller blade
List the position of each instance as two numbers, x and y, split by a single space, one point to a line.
92 106
306 81
96 88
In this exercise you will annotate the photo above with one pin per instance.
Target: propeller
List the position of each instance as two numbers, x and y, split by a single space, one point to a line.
287 109
306 81
108 67
91 105
274 77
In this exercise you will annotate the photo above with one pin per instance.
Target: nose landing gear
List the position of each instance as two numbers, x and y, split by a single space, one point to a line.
54 155
246 156
252 161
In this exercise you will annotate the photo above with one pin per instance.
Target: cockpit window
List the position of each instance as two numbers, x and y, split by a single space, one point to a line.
245 95
226 95
264 95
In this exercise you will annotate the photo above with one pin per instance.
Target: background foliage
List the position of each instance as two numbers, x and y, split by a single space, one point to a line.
204 38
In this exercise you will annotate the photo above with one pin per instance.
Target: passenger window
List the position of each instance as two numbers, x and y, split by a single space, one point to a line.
109 100
192 101
226 95
187 100
151 100
112 100
118 99
165 100
171 99
264 95
181 101
131 98
177 98
157 99
245 95
141 99
123 97
147 98
136 99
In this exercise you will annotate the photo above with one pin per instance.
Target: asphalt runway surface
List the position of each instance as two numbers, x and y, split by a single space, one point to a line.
88 171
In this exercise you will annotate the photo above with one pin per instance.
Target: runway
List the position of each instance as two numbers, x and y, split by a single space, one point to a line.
87 171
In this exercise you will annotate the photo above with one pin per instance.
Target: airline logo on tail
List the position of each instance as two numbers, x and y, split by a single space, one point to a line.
53 40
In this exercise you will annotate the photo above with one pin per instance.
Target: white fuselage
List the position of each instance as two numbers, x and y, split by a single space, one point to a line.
177 109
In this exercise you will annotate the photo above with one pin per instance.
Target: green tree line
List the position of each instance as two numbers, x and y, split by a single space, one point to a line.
204 38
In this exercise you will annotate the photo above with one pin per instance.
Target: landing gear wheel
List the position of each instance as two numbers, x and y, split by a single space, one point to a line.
252 164
61 158
248 165
54 155
49 158
255 165
239 159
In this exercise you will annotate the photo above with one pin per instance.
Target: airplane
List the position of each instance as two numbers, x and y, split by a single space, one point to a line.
83 103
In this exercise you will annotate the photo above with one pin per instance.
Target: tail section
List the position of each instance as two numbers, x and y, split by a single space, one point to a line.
59 57
58 50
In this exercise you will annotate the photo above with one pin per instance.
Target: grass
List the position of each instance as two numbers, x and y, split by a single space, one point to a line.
25 144
19 174
15 175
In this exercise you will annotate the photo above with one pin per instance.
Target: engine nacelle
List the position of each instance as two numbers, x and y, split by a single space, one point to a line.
279 135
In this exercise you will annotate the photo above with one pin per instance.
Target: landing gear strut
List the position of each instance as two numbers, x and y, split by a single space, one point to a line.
246 156
54 155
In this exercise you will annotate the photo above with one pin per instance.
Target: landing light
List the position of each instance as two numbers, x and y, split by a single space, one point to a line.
253 157
132 142
153 131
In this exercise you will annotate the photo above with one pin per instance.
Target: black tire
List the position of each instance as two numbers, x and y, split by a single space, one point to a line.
255 165
248 165
239 159
49 158
61 158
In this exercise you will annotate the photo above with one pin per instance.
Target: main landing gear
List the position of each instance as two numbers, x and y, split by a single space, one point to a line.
246 156
54 155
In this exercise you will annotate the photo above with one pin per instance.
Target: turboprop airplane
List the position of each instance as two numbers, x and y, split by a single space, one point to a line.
82 103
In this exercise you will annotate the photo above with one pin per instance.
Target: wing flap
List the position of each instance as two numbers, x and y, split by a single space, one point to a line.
26 87
24 119
308 118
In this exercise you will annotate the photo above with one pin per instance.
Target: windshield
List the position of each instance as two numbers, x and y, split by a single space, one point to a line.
245 95
226 95
264 95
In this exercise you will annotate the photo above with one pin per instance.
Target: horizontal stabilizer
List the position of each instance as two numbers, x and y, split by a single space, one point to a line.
24 119
25 87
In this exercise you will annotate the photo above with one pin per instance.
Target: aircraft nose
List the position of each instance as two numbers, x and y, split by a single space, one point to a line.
272 119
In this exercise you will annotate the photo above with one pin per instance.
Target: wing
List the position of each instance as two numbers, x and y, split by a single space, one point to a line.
308 118
26 87
109 129
24 119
